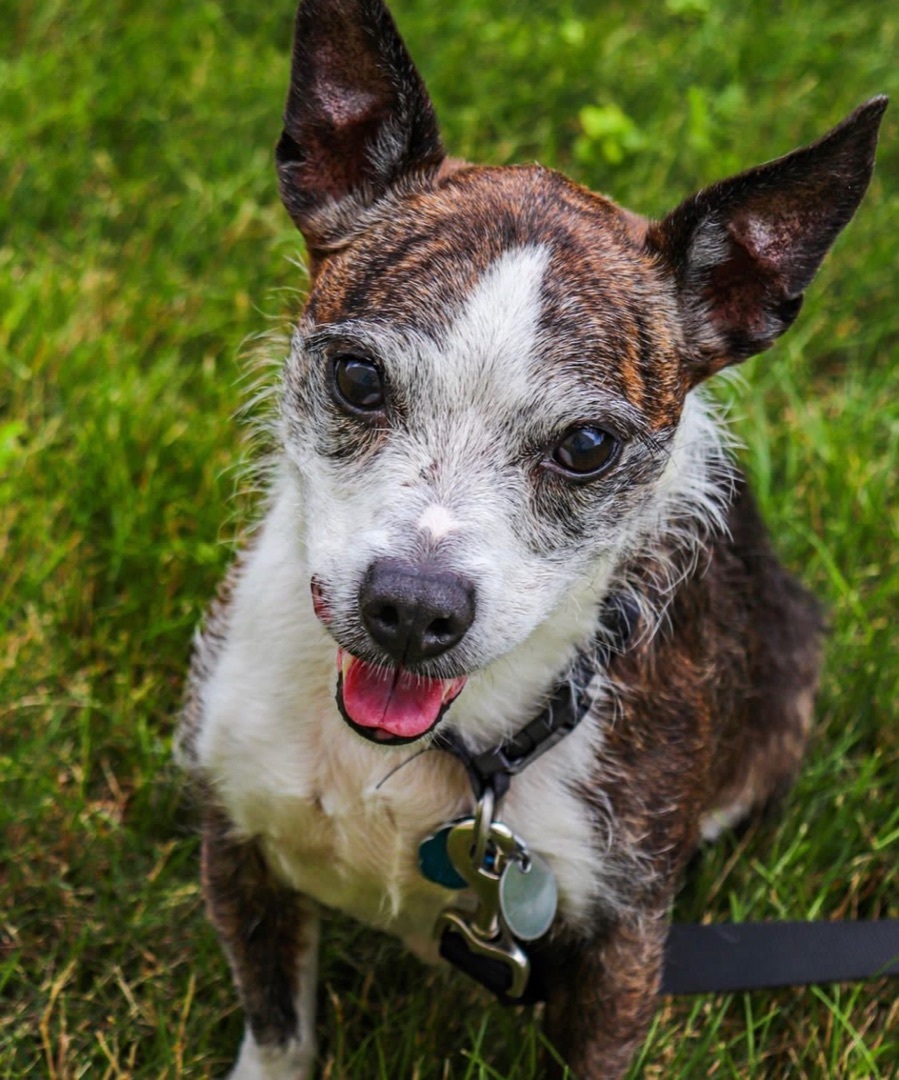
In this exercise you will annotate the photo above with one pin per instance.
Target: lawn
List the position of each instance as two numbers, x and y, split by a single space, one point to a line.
143 252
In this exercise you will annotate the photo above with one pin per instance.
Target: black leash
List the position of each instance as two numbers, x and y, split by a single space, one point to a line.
699 959
730 958
760 956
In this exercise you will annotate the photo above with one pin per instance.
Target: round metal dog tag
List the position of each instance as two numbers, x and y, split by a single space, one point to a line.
528 898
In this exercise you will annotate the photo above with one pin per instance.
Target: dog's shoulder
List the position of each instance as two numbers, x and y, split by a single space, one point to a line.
730 667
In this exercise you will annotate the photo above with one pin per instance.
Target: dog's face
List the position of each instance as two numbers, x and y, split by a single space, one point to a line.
486 401
486 405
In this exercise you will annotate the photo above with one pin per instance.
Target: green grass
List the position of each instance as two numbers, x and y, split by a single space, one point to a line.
141 241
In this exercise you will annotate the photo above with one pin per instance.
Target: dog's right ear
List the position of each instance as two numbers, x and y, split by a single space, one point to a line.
358 118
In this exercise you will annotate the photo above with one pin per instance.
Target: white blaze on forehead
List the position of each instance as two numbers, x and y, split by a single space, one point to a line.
438 521
499 321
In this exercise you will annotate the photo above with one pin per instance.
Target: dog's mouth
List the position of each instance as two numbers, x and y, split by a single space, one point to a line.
391 705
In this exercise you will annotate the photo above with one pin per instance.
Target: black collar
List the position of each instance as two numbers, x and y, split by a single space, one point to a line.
569 704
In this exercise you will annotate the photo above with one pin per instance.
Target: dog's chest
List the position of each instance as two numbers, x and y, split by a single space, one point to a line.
332 822
348 835
352 845
338 825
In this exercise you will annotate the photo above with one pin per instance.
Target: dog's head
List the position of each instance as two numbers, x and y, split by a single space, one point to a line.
486 402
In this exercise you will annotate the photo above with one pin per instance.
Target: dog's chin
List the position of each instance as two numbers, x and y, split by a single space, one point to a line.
391 706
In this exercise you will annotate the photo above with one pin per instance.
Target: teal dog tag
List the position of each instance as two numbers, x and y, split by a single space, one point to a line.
435 863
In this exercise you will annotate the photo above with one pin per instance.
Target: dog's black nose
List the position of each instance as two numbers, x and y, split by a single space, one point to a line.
414 612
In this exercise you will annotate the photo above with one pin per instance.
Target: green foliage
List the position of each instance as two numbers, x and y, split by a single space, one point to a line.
610 131
141 241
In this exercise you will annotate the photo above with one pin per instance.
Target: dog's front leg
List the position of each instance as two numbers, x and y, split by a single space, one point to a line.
270 936
601 1000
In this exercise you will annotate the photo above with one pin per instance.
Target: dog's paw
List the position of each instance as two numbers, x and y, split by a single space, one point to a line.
293 1061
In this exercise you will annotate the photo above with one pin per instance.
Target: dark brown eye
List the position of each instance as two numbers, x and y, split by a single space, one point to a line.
585 451
358 383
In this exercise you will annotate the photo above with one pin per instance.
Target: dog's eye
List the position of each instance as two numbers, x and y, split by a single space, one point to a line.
585 452
358 383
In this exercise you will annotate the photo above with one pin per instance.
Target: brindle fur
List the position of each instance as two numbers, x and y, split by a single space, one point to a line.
713 710
711 704
261 925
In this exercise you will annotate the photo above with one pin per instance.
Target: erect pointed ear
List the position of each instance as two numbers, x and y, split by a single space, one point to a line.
358 117
743 251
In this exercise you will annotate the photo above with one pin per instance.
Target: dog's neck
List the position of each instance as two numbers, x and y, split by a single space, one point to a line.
568 704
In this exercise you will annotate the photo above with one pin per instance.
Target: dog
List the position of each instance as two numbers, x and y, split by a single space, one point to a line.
504 527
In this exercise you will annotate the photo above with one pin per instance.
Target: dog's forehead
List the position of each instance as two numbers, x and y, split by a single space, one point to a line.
516 255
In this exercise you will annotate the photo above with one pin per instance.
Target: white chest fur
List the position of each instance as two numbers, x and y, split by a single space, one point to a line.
289 771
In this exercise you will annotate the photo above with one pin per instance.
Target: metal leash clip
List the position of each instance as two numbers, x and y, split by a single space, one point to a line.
481 849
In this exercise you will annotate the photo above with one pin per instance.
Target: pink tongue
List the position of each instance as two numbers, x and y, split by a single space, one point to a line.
395 701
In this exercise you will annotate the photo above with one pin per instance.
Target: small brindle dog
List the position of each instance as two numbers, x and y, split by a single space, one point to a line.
500 487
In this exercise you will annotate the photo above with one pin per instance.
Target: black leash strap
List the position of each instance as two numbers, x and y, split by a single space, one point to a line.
731 957
755 956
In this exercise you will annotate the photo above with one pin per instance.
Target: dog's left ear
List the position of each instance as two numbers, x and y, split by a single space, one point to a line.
358 118
743 251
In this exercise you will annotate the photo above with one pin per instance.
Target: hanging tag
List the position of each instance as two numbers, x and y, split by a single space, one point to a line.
434 861
528 897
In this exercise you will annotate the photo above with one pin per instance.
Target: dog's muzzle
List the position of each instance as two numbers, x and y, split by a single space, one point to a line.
412 614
